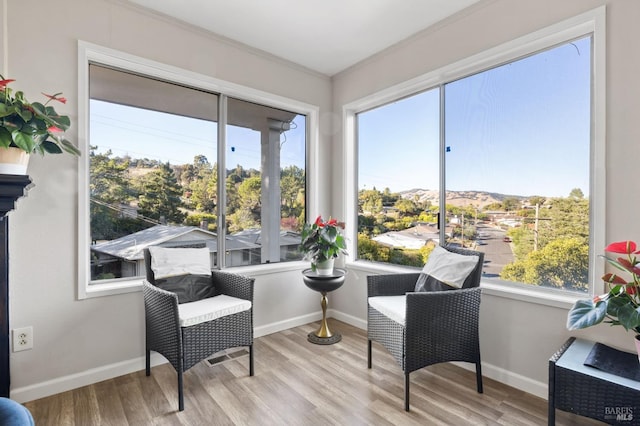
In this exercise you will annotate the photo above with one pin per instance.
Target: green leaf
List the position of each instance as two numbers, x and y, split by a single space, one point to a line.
585 313
69 147
5 138
629 317
51 147
23 141
5 110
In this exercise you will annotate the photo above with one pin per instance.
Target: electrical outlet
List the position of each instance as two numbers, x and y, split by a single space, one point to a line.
22 338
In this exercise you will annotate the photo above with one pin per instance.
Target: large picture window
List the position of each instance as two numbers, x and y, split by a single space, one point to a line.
160 173
499 161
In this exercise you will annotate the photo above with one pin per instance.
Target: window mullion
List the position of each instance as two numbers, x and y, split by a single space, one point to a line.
442 160
222 190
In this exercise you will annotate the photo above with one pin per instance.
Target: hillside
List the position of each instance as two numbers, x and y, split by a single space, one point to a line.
459 198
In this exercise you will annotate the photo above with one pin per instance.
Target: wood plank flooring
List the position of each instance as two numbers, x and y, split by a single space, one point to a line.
298 383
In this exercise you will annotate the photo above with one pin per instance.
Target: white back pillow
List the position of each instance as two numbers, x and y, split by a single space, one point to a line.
450 268
170 262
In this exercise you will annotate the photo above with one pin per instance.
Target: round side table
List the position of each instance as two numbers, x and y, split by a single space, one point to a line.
324 284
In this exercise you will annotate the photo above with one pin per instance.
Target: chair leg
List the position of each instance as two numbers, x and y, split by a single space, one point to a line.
148 363
250 360
406 391
369 355
479 376
180 392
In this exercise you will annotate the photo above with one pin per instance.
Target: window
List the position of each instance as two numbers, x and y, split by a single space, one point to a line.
398 153
156 152
499 159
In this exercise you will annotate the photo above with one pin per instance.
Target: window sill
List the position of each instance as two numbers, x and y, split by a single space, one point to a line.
546 297
113 287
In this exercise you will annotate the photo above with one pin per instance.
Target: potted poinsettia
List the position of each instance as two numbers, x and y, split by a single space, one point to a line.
31 127
621 304
322 243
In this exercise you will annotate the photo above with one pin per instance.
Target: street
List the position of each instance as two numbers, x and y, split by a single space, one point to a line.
497 253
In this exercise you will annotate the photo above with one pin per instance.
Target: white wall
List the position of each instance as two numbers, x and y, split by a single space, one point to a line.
95 338
517 337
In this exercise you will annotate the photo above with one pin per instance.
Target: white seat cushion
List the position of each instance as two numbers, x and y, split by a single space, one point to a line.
171 262
449 268
204 310
394 307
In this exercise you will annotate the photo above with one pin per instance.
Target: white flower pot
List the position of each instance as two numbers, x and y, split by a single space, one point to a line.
13 161
325 268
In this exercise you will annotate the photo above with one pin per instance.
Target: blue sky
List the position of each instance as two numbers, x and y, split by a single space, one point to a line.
166 137
519 129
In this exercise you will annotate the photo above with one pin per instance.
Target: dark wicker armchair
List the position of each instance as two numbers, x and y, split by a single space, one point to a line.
439 326
186 345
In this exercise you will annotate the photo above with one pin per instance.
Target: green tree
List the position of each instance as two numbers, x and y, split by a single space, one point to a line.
110 188
576 193
292 187
510 203
370 201
109 178
389 198
406 207
203 186
370 250
161 196
536 199
563 263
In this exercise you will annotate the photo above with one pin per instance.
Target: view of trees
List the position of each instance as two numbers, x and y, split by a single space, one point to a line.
549 238
128 195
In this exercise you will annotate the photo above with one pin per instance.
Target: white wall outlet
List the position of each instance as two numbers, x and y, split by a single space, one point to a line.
22 338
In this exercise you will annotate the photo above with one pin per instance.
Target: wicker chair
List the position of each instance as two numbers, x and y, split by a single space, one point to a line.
185 346
439 326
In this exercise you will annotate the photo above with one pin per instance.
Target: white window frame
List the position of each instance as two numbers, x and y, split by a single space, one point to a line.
588 23
92 53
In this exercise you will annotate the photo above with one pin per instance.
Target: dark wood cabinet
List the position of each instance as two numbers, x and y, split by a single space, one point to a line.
12 187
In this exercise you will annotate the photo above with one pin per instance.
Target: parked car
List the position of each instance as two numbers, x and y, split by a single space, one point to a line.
507 239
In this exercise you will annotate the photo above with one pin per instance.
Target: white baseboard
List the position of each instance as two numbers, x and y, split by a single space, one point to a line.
349 319
275 327
83 378
510 378
95 375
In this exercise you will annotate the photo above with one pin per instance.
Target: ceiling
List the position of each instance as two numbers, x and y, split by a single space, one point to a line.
327 37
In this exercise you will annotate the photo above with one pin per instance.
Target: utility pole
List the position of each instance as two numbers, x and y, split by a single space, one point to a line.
535 229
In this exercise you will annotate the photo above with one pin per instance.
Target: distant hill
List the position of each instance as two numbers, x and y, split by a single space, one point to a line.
459 198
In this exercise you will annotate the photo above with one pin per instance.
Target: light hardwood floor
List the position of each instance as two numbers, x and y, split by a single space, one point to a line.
299 383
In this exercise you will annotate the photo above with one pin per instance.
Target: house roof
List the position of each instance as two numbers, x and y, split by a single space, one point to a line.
131 247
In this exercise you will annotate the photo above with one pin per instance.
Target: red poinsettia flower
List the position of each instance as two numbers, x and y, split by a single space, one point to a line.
3 83
319 221
54 129
56 97
331 222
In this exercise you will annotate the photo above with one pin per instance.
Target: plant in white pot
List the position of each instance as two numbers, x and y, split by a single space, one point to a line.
621 304
30 127
322 243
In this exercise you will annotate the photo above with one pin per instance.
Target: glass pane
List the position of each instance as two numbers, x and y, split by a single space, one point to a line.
398 180
517 166
265 183
153 147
